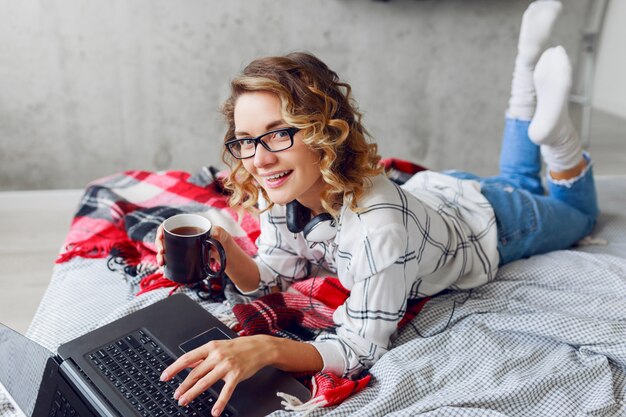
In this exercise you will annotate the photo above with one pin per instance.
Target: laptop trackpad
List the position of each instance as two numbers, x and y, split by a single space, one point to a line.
203 338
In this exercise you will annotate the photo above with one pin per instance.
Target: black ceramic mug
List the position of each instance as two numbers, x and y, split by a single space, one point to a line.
188 244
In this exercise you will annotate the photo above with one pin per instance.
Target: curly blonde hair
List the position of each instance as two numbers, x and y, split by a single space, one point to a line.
313 99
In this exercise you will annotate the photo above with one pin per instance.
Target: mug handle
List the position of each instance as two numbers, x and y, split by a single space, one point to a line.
206 260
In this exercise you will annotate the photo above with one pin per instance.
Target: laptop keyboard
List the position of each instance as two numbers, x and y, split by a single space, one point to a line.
61 407
134 364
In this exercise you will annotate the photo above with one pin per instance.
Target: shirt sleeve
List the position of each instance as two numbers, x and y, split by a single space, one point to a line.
366 322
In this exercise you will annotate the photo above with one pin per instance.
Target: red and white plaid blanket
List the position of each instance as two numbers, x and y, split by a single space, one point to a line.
118 217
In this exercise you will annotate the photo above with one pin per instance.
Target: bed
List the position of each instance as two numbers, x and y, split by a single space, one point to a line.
546 338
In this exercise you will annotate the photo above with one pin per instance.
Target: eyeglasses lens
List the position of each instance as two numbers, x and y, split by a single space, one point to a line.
277 141
273 141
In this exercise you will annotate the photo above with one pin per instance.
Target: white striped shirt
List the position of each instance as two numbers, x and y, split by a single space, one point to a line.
434 232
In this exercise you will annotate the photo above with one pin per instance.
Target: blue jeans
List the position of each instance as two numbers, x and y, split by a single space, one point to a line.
530 222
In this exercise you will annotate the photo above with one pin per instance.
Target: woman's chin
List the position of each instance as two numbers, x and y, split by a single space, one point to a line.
279 198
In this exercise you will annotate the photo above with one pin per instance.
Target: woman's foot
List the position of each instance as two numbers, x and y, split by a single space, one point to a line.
536 28
551 127
537 24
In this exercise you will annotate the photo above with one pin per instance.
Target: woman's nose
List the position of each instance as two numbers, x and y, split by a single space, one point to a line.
263 157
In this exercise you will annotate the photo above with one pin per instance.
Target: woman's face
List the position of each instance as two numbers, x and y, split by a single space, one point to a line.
286 175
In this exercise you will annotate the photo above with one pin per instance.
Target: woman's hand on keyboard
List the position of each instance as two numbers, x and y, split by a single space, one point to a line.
229 360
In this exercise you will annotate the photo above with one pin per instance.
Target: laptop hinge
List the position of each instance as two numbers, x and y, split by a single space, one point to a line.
71 371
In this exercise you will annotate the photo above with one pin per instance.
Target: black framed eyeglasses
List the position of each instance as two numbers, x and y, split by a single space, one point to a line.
274 141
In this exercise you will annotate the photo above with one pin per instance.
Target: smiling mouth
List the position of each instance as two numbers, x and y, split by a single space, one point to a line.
277 177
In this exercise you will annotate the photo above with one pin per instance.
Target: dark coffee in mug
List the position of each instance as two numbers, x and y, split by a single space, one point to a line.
188 248
188 231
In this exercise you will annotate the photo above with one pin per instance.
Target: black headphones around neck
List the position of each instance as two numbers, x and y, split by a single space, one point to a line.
320 228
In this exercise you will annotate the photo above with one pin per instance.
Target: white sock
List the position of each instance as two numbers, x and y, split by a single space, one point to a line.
551 126
537 24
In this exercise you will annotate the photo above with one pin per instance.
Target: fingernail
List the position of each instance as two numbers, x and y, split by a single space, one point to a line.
182 401
176 394
164 376
216 412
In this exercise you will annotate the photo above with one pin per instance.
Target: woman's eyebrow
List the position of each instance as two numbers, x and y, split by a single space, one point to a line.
274 124
268 127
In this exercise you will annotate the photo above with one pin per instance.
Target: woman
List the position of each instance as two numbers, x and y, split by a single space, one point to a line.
295 135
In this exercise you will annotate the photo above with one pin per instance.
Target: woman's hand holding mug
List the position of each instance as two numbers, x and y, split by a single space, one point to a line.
187 244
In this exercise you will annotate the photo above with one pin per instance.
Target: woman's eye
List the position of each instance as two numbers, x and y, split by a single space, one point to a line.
281 135
247 143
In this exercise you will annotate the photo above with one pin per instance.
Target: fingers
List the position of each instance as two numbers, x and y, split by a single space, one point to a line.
220 234
159 246
159 235
214 256
228 360
217 233
199 378
188 360
190 390
225 394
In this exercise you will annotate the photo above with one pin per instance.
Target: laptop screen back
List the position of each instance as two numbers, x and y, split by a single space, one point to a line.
22 364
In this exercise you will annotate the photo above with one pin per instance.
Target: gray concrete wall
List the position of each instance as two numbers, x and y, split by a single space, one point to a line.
89 88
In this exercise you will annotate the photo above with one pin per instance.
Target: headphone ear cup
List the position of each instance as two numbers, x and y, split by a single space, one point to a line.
320 228
297 216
